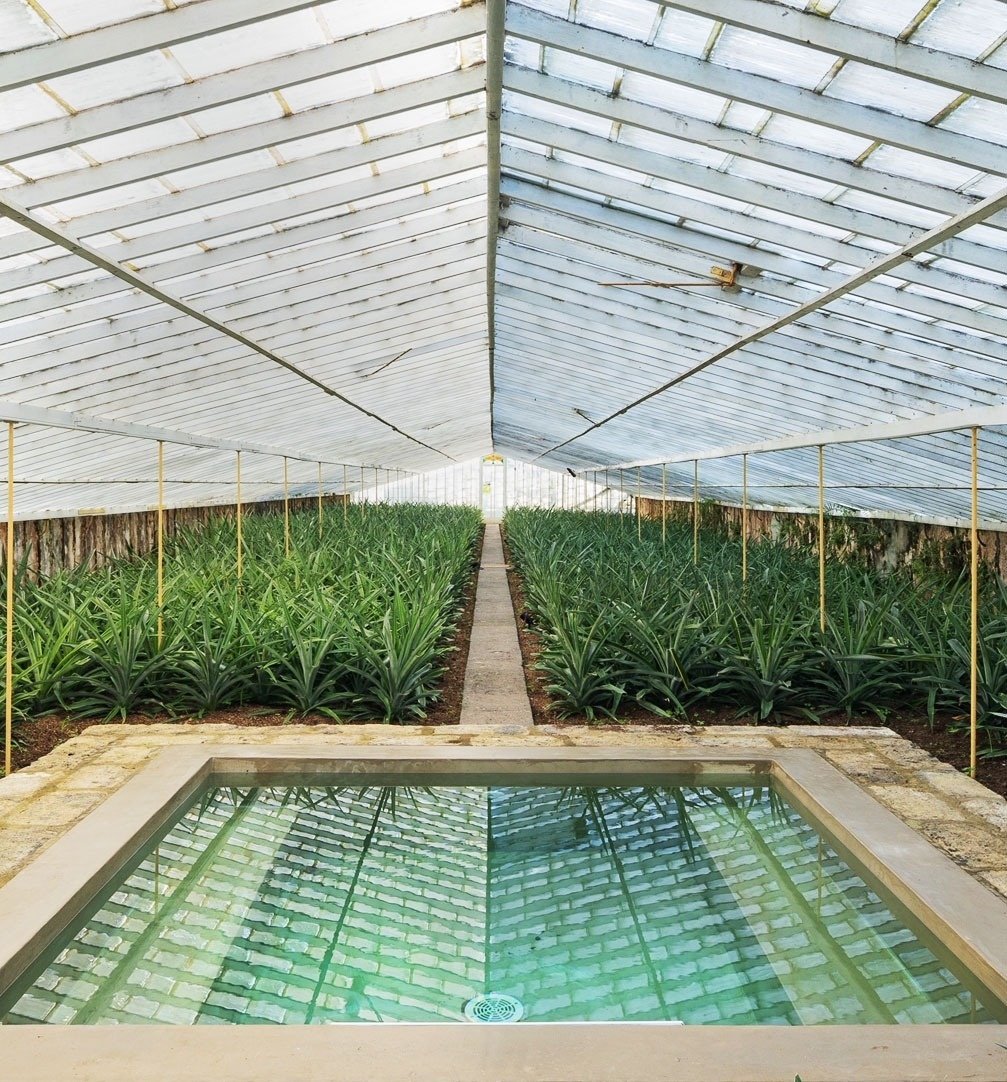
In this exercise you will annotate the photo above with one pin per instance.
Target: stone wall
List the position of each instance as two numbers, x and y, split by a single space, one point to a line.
56 544
879 542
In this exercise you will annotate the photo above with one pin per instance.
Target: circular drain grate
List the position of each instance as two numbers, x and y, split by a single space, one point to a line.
494 1007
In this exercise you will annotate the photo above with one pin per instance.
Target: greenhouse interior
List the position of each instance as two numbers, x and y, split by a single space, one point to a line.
504 550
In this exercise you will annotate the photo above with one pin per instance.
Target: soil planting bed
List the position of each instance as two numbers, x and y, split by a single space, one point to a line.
38 737
947 740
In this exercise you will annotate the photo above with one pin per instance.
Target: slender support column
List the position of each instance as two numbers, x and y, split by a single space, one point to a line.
9 641
974 606
622 491
821 536
160 544
664 503
237 513
744 518
286 509
375 484
346 496
319 501
695 511
639 504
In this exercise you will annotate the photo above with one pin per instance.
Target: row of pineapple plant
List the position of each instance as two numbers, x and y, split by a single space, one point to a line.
625 617
354 622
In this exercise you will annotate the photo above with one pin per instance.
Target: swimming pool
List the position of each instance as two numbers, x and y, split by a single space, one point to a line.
617 903
656 898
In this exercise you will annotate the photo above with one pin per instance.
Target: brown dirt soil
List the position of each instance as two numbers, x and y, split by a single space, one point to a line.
945 740
38 737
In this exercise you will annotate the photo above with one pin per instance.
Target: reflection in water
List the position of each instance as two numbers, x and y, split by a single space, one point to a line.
325 903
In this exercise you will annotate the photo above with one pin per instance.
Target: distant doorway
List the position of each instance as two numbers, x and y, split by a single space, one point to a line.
493 486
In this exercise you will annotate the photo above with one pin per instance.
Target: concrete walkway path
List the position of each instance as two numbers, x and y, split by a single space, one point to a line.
494 693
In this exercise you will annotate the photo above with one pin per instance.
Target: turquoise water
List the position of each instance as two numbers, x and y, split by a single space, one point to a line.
707 904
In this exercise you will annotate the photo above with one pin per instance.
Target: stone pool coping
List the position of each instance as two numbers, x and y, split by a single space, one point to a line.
965 913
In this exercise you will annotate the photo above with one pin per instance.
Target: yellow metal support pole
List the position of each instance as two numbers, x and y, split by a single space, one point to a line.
744 518
9 642
237 512
639 505
821 537
974 582
346 496
160 544
319 501
664 503
695 511
286 509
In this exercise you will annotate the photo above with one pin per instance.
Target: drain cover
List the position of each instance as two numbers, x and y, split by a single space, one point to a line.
494 1007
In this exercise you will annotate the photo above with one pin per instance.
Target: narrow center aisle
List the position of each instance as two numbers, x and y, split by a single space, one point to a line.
494 693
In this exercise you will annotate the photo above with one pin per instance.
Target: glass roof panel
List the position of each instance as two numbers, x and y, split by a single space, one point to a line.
979 118
21 28
245 45
684 32
333 88
629 18
557 114
891 92
891 17
116 81
817 137
906 163
748 118
139 140
77 16
241 114
51 164
678 99
656 143
523 53
344 18
25 106
772 57
580 69
966 27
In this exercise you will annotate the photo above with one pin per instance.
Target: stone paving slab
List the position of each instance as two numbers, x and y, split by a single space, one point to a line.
960 816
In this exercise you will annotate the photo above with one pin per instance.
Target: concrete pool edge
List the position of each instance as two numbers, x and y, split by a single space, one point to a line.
460 1052
42 898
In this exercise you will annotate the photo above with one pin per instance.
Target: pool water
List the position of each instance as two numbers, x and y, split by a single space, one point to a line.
713 903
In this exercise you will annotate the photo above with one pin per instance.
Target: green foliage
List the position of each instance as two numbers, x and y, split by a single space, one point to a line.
624 622
354 624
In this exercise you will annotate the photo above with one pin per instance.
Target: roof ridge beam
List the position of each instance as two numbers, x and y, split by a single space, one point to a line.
850 42
756 90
